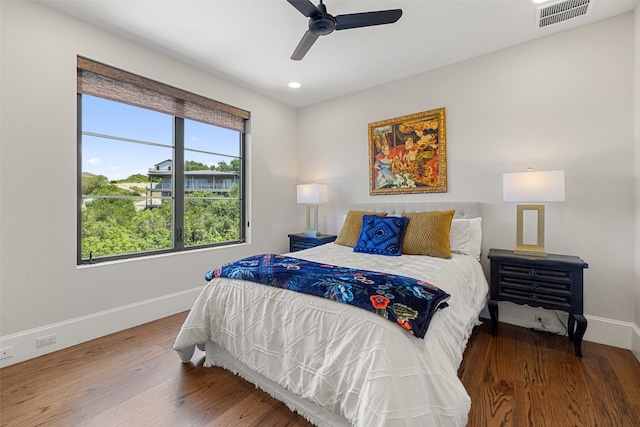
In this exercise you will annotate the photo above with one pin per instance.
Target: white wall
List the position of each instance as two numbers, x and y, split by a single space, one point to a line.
561 102
42 289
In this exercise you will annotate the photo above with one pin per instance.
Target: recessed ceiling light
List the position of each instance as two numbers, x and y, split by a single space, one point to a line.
294 85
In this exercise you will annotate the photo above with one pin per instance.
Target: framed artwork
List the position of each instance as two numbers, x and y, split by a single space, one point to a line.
408 154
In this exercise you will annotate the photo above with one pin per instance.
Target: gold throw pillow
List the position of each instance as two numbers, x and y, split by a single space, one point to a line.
350 231
428 234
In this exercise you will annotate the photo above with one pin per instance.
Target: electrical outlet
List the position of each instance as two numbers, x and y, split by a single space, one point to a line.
6 352
539 318
48 340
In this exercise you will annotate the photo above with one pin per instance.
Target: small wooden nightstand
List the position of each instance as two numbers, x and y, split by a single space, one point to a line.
554 283
300 241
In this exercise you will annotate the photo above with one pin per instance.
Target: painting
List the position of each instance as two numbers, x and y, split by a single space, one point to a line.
408 154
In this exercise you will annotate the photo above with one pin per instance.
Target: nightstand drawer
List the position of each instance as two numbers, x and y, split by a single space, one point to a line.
537 273
300 241
562 300
534 285
298 245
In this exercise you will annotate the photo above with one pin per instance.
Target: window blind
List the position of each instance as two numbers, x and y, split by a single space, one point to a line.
108 82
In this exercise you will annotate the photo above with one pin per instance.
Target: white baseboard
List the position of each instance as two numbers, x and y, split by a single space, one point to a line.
635 341
609 332
599 329
82 329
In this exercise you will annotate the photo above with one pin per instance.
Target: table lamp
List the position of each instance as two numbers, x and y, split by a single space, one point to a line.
529 187
312 195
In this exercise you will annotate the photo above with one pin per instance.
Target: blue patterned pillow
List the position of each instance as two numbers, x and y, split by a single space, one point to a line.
381 235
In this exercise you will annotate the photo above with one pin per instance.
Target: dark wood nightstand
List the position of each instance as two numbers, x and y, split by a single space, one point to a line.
300 241
554 283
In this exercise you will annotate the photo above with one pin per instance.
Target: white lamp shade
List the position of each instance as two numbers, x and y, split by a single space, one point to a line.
533 186
312 193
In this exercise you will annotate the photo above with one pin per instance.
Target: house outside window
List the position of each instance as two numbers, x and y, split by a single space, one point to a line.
159 169
161 176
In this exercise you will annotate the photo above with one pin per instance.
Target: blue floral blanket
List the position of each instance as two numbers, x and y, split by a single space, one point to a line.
409 302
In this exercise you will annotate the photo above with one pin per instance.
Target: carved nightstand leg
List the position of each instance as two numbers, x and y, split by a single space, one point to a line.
493 312
580 329
571 326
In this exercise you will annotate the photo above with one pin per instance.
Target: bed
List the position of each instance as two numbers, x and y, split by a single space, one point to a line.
339 365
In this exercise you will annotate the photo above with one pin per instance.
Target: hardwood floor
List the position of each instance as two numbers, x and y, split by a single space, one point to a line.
134 378
525 378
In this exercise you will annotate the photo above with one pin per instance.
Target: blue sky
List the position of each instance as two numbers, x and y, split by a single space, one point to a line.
120 159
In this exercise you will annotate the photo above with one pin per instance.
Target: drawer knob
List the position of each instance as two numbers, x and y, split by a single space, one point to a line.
534 285
532 272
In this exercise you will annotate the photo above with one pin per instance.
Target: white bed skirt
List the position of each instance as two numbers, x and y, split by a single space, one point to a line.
315 414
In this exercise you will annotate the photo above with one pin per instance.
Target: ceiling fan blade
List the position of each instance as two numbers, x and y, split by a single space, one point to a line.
367 19
304 6
305 44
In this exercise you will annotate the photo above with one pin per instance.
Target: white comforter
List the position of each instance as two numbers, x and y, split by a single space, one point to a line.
353 362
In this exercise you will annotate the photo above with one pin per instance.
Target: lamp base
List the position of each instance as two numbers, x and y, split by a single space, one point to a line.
312 220
536 249
536 252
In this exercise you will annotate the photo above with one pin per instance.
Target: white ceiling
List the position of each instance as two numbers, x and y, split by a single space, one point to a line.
249 42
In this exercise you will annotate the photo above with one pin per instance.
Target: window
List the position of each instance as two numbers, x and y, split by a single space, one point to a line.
159 169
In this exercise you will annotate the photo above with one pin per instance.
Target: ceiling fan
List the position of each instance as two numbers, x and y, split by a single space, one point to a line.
321 23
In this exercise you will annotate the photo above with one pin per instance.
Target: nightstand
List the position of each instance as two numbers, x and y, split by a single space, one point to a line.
300 241
554 283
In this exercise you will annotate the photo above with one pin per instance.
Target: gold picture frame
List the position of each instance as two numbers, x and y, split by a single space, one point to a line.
408 154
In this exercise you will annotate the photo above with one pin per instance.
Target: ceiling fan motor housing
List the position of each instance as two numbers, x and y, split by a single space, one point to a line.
322 25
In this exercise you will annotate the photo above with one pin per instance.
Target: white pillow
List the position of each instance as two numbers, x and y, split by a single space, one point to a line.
473 235
459 237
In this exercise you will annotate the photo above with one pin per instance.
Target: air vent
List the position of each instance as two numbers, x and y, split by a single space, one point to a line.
561 11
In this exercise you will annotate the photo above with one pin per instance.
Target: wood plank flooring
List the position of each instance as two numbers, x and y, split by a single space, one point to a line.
134 378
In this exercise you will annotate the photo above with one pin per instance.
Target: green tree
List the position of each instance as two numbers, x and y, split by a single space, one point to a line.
233 166
152 228
211 219
105 238
138 177
93 182
191 165
121 211
106 222
223 167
